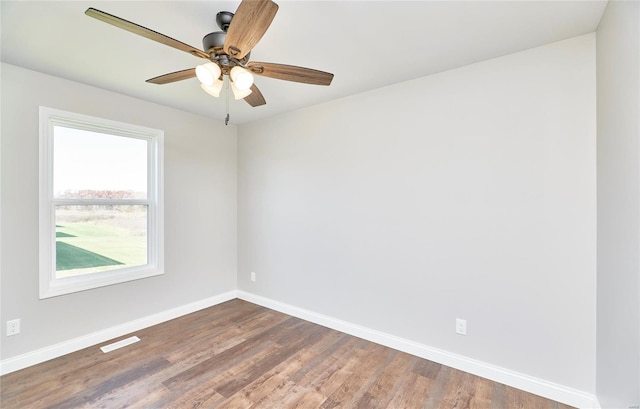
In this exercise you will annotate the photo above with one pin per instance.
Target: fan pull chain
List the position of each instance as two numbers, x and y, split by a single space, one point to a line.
226 118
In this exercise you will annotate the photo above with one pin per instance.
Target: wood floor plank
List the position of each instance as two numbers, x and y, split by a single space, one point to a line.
499 398
355 386
311 359
217 364
112 384
222 338
316 376
282 390
301 359
239 355
438 388
310 399
263 389
460 391
428 369
413 393
385 385
339 373
297 340
483 393
236 402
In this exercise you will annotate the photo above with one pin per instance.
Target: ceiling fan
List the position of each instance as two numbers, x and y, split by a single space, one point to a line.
228 52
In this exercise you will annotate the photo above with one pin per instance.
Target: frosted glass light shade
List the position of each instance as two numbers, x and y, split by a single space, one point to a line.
239 93
213 90
241 77
208 73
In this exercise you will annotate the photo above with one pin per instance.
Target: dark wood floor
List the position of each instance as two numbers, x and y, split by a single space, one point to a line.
240 355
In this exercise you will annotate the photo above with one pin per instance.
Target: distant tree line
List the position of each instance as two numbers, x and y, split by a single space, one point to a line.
98 194
101 194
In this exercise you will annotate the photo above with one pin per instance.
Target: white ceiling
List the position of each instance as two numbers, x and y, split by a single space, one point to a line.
366 44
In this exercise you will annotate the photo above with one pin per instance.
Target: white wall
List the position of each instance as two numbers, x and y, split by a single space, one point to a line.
200 213
618 317
470 193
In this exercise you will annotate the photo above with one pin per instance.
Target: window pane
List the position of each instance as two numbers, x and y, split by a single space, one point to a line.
92 165
91 238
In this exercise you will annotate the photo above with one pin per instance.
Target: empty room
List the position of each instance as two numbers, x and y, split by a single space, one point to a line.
320 204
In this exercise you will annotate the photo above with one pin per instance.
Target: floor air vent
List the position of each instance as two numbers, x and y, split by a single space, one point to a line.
119 344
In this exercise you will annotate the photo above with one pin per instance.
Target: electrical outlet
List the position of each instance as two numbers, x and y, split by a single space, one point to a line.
253 276
13 327
461 326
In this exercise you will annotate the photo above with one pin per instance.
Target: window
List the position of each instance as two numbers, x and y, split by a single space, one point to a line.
100 202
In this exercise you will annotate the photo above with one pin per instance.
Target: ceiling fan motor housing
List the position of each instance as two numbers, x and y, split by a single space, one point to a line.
213 42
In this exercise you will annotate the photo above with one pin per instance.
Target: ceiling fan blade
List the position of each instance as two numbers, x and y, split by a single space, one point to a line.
173 77
255 98
144 32
250 22
290 73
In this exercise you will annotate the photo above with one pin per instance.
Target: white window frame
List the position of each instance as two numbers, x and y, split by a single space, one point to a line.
50 286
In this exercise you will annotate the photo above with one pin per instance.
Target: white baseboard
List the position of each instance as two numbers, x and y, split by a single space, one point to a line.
541 387
44 354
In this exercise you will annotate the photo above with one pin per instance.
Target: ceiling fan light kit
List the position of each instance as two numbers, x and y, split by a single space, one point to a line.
228 52
241 78
213 90
208 73
239 93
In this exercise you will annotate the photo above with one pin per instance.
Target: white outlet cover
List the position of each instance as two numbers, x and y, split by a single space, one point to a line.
253 276
13 327
461 326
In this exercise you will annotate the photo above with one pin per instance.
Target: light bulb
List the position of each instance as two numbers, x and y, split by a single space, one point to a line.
213 90
208 73
241 77
239 93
